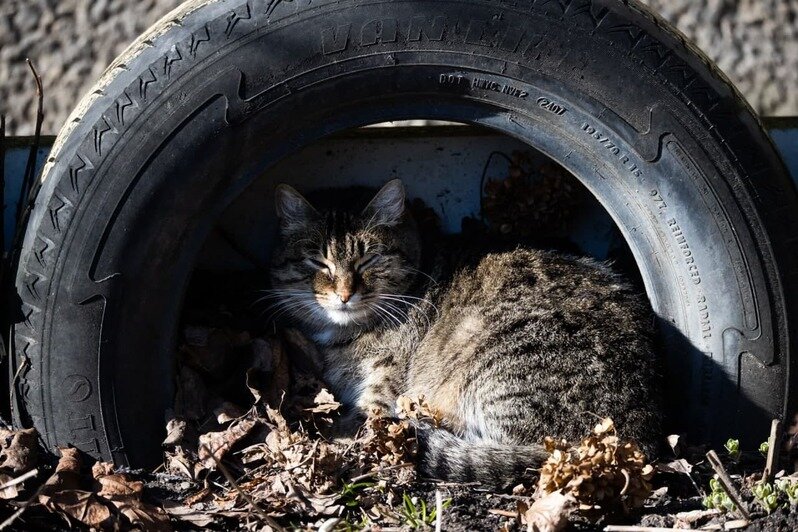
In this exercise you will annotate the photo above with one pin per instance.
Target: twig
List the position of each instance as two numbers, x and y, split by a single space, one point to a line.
371 474
13 517
330 524
30 169
266 517
774 443
727 484
438 510
630 528
20 479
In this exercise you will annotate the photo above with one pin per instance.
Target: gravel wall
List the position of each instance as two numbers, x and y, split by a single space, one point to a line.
71 41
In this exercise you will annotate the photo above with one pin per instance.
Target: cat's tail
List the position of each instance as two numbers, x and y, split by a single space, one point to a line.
444 456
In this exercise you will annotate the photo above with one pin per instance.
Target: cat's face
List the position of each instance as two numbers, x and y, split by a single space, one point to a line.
343 269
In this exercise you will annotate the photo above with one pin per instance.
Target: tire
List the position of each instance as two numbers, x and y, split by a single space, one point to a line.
217 91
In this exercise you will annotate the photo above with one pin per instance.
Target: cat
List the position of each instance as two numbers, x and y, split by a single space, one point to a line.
507 347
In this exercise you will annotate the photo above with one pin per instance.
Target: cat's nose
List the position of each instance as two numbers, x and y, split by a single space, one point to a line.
344 295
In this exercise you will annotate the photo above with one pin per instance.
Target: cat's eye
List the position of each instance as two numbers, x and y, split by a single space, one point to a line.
365 262
320 265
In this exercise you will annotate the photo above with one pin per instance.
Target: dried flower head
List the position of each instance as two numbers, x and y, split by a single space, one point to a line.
602 472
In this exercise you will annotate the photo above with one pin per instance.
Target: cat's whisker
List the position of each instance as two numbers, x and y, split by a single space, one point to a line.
421 311
420 300
388 314
416 270
402 313
286 305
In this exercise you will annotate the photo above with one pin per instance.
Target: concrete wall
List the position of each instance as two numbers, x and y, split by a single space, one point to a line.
71 41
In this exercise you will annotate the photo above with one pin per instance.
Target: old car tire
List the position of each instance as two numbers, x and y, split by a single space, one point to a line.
219 90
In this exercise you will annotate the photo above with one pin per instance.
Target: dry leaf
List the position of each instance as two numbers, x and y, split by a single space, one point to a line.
418 409
674 442
83 506
325 403
198 518
19 449
115 485
125 494
146 516
219 443
175 432
67 472
676 466
179 463
549 513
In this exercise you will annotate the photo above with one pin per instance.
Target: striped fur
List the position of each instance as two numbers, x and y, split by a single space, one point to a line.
509 347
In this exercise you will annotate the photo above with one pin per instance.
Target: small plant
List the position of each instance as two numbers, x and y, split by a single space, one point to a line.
350 493
790 488
414 512
733 448
764 447
766 495
718 499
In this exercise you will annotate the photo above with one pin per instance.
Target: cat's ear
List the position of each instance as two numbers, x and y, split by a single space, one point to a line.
292 207
388 206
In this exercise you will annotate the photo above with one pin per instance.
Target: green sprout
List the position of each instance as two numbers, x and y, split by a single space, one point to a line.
733 448
766 495
718 499
789 488
764 447
415 512
350 493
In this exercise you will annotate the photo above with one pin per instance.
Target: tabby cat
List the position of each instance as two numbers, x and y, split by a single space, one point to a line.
509 347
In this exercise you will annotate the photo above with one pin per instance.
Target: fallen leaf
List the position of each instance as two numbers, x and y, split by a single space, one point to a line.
676 466
83 506
19 449
114 485
67 472
549 513
178 462
140 514
125 494
175 432
188 514
325 403
219 443
674 441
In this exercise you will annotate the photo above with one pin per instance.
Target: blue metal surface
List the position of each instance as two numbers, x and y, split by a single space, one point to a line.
465 157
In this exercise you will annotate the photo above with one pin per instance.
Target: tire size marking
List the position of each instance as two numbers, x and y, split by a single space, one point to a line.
613 147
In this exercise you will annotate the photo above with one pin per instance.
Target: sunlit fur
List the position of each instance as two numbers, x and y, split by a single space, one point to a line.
507 346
